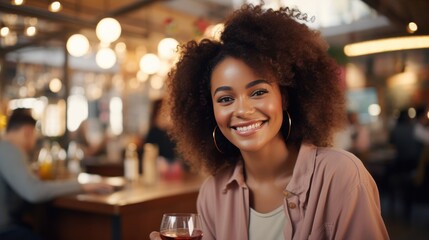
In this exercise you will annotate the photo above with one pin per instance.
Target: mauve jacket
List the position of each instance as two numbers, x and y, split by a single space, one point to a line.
330 196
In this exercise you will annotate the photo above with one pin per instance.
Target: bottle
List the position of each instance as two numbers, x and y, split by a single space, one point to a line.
58 160
150 157
131 164
44 161
75 155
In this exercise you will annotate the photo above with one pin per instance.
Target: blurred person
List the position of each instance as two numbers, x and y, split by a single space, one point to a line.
19 185
409 138
258 109
360 136
160 123
170 166
407 146
421 130
354 137
91 138
400 170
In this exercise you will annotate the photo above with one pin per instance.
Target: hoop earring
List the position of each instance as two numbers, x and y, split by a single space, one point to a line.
214 140
290 125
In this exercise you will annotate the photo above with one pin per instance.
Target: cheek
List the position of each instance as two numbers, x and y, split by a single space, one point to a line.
271 107
221 116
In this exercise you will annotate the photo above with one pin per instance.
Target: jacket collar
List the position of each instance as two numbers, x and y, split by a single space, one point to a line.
303 171
301 177
236 177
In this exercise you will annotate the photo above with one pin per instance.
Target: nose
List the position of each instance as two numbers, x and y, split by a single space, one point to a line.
244 107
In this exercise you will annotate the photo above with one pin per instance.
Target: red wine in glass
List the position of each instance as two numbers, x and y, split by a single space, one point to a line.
181 234
183 226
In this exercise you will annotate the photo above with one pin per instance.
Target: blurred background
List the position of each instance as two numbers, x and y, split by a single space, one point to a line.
93 72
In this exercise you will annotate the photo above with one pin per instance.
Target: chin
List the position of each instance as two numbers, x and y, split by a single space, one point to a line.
248 148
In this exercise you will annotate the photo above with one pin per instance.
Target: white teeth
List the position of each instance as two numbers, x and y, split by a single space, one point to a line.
250 127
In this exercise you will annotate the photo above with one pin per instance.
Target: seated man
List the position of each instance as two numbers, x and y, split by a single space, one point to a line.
19 184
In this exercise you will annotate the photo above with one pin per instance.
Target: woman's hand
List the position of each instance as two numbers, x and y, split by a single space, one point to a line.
99 188
154 236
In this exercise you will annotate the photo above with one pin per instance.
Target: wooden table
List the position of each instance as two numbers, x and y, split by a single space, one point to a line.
131 213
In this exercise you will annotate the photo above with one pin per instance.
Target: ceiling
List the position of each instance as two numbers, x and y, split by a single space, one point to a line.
179 18
401 12
138 18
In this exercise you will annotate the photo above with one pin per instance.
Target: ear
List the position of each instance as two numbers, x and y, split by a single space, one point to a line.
28 132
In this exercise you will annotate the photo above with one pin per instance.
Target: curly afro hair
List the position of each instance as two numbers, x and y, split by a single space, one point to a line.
270 42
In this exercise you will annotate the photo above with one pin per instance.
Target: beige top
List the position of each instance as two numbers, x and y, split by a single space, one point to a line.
267 225
330 196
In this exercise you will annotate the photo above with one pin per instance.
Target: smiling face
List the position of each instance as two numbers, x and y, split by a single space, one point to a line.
247 107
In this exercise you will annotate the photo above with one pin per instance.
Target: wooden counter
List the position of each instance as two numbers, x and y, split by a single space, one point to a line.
131 213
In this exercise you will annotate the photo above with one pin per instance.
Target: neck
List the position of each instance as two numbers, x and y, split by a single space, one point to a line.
270 163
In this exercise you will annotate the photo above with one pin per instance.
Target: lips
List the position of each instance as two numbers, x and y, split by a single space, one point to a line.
247 128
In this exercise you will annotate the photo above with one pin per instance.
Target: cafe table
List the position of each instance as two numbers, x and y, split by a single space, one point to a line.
131 212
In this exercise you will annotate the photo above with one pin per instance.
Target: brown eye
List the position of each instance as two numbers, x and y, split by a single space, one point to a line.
259 92
224 99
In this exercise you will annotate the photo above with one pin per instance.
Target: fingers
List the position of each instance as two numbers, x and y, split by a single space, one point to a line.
104 189
100 188
154 236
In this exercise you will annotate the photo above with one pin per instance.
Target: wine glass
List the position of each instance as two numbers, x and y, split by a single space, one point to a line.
183 226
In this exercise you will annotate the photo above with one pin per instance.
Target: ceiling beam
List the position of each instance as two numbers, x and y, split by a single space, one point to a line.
45 14
138 4
75 22
401 12
35 41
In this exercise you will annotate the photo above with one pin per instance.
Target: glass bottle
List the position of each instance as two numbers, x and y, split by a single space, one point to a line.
44 160
131 164
150 156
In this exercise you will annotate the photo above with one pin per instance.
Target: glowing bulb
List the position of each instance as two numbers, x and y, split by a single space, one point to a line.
374 110
4 31
120 48
31 31
105 58
55 6
77 45
412 27
18 2
55 85
167 48
108 30
411 112
150 63
156 82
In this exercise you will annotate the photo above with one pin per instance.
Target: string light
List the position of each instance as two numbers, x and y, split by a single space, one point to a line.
412 27
55 85
105 58
386 45
77 45
31 31
4 31
150 63
167 48
108 30
17 2
55 6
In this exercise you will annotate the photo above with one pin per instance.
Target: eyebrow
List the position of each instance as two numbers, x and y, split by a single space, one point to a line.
249 85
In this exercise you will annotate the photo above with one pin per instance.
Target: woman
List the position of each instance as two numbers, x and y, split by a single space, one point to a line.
258 109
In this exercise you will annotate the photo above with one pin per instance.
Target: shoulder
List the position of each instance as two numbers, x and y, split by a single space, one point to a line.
217 182
8 150
340 165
